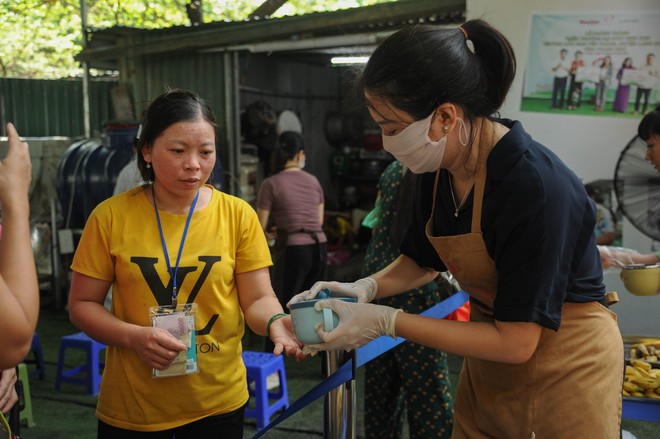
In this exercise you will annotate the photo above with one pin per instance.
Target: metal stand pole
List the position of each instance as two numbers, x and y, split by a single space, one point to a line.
339 404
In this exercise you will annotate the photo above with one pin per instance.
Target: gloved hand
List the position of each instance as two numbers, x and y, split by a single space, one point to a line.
616 257
358 324
364 290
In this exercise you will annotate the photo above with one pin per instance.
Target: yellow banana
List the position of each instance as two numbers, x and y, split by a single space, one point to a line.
643 372
642 348
632 372
651 394
640 394
625 392
642 365
632 387
647 383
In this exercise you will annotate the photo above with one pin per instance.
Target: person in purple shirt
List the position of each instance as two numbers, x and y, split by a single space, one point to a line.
294 200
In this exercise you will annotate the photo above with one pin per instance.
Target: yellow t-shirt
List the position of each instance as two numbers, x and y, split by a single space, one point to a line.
121 243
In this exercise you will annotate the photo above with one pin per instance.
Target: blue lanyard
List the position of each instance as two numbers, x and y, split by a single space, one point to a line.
183 239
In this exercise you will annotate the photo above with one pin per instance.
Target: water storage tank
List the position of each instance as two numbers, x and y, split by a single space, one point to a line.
86 176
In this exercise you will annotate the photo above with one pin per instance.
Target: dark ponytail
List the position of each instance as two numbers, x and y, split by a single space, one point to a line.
420 67
497 59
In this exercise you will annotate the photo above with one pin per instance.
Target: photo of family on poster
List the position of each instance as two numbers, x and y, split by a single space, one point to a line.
593 65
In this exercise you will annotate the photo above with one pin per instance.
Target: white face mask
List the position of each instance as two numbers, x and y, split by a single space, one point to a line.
301 163
413 147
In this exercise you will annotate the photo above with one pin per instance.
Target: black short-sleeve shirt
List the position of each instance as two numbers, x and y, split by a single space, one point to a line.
537 224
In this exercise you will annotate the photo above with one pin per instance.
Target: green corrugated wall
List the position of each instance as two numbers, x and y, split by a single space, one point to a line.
50 108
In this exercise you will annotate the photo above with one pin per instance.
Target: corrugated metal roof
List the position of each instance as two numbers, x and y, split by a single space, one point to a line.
114 43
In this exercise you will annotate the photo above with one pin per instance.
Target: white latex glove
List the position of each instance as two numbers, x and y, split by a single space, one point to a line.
616 257
358 324
364 290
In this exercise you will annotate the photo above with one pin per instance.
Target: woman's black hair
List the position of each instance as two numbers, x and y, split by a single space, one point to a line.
420 67
289 143
171 107
649 125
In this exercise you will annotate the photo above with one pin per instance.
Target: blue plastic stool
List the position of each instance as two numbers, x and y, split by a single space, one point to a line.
260 365
91 368
38 359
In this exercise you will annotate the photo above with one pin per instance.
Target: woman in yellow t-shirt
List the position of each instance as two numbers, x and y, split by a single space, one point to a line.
175 239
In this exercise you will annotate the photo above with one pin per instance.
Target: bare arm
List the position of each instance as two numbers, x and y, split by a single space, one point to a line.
321 213
257 298
502 341
259 303
156 346
401 275
19 288
263 216
506 342
647 258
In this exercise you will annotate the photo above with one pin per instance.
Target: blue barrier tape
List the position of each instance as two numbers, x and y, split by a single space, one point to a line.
365 354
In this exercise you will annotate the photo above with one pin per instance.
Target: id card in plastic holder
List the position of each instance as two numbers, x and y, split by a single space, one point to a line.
180 322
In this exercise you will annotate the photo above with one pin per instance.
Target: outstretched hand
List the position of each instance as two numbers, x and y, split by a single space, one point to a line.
281 333
15 171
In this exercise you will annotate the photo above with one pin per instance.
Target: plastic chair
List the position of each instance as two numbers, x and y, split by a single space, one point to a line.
92 367
24 397
260 365
38 359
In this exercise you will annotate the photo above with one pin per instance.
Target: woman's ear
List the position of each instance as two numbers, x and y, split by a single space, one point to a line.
443 120
447 113
146 153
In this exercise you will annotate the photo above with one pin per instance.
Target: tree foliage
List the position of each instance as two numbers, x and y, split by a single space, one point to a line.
41 37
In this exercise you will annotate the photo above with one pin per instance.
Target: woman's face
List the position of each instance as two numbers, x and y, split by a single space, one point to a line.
183 156
653 151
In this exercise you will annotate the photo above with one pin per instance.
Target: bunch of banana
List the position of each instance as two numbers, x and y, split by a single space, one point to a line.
641 380
645 351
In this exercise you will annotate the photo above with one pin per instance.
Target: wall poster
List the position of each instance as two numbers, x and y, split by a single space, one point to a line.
596 64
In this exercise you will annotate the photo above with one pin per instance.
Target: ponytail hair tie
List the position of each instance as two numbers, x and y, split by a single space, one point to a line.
464 32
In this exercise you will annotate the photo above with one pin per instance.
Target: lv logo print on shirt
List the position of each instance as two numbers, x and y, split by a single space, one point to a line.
163 293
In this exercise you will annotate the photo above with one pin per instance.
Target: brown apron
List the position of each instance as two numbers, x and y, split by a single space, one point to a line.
571 387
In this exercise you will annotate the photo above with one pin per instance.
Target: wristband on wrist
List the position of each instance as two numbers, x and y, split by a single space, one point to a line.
272 319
